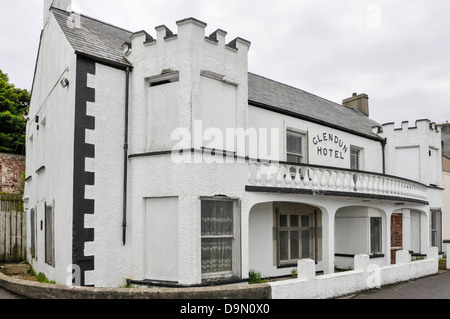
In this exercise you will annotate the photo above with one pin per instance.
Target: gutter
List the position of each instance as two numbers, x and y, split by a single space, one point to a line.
125 158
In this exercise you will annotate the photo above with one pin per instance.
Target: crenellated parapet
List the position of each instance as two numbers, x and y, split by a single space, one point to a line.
413 152
211 75
422 125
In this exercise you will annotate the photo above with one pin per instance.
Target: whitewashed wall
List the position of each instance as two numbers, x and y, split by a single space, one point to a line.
52 147
371 156
412 151
365 276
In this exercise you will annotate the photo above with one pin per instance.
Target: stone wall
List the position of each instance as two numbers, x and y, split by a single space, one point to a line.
11 168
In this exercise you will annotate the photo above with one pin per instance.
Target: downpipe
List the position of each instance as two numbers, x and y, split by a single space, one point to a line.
125 158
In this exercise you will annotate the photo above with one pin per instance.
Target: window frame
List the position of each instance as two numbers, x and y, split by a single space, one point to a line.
235 243
49 234
354 149
304 140
380 235
311 228
436 228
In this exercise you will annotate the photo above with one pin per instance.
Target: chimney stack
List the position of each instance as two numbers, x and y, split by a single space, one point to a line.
359 102
59 4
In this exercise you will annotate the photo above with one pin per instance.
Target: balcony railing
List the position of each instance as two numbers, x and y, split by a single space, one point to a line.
330 180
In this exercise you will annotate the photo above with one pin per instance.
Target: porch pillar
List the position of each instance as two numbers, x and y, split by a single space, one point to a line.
406 229
328 240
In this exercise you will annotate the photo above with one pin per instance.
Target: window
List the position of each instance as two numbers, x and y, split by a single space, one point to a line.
295 147
436 229
375 235
355 158
219 237
295 233
49 242
33 233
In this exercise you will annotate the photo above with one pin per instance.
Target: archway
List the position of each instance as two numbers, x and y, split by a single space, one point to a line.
281 233
359 230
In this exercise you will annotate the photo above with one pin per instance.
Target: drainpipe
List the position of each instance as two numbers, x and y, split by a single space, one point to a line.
383 149
125 158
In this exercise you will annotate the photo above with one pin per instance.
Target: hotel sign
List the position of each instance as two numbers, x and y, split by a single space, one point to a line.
330 145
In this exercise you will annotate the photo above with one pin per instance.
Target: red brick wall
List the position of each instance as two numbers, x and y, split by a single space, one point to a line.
11 168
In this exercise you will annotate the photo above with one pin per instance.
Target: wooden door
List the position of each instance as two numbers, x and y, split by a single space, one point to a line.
396 234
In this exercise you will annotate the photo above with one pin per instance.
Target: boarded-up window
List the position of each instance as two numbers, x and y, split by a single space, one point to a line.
161 238
218 107
162 111
434 167
407 162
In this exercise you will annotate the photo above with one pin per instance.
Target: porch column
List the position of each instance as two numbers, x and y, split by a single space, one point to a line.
328 239
425 222
406 229
387 236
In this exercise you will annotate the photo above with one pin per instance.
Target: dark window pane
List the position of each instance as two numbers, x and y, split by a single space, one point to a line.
294 158
305 244
284 245
293 219
295 244
217 255
283 221
305 221
294 143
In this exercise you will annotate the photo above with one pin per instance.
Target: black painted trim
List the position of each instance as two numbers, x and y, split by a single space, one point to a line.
81 178
315 192
353 255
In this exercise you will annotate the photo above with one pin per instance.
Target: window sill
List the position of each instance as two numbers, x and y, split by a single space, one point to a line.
353 255
289 265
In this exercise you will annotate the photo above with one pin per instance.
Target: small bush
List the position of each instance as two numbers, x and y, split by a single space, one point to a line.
255 277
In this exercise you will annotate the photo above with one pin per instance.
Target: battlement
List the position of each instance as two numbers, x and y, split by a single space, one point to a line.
422 124
189 28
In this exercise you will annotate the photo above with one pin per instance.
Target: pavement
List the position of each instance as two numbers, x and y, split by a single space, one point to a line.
431 287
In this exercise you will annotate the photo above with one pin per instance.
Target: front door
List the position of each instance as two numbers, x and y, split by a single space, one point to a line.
396 234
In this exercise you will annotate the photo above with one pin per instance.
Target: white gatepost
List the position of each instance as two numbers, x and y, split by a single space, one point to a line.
306 270
402 257
361 262
433 253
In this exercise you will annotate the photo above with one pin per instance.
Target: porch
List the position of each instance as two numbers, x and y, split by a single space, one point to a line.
341 214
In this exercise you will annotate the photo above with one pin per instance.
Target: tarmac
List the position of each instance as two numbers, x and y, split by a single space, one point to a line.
431 287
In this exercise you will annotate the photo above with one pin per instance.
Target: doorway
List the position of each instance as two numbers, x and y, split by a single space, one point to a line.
396 234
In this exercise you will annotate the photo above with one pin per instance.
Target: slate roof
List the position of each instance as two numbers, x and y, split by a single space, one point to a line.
292 101
95 38
104 41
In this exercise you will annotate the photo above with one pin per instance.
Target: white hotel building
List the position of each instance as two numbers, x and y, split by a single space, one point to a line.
108 197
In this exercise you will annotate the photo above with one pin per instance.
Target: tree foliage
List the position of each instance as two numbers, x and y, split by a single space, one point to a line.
13 106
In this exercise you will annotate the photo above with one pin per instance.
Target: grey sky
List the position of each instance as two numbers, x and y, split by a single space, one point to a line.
396 51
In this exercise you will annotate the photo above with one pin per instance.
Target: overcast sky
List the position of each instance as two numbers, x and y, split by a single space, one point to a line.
396 51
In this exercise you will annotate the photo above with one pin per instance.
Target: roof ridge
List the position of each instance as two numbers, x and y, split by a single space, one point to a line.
93 19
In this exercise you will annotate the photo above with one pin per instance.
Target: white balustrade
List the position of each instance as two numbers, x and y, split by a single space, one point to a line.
332 179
